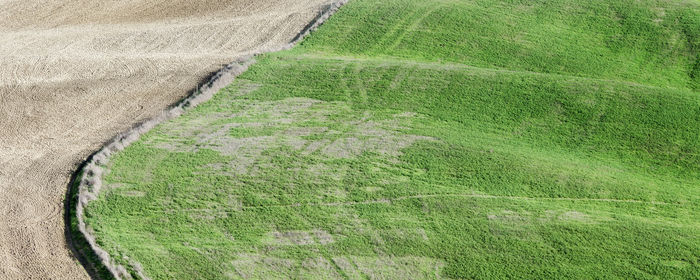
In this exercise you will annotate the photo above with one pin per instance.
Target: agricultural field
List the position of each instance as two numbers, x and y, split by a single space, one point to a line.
75 73
424 139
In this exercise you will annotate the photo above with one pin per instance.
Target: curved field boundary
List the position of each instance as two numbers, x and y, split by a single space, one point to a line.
88 180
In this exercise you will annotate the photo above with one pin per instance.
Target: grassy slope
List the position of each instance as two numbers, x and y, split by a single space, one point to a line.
549 139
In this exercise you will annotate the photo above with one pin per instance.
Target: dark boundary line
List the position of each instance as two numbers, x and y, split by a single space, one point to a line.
79 247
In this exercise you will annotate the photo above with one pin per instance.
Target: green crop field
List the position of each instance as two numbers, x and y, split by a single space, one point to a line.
421 139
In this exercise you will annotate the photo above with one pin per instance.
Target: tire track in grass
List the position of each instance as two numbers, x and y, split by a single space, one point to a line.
412 27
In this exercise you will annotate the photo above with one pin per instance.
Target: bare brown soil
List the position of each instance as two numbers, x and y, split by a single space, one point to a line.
75 73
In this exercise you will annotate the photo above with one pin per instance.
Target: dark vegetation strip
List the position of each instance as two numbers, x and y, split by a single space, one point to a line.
79 246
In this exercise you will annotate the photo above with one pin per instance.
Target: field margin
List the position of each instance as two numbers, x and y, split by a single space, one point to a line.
86 181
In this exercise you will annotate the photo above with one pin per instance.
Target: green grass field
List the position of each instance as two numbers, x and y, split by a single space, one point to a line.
421 139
